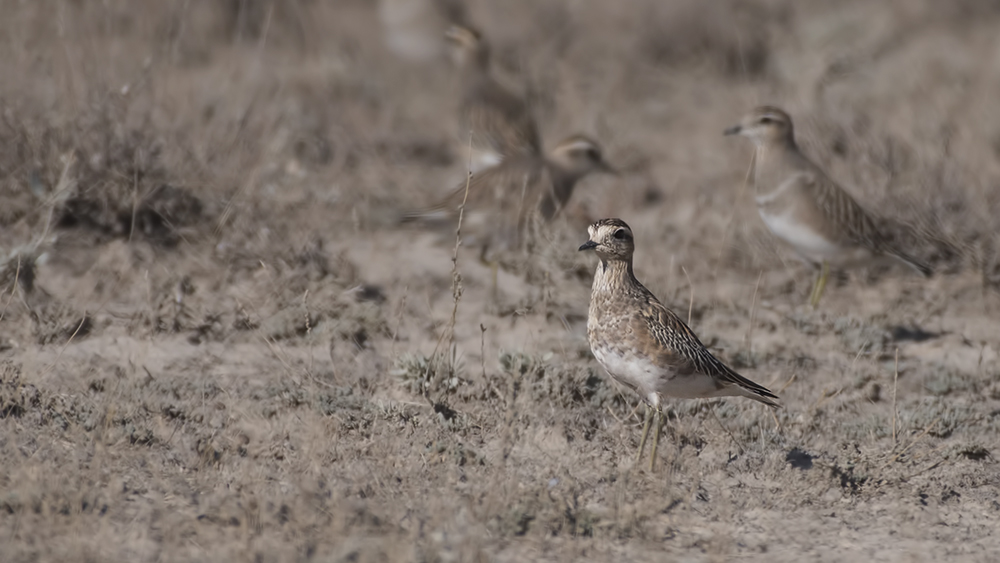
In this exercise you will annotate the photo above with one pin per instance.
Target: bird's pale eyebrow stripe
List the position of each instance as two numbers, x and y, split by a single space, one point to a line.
579 145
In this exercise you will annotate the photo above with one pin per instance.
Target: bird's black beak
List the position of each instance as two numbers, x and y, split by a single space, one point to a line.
734 130
589 245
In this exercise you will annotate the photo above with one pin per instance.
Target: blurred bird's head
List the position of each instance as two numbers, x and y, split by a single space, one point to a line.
580 155
765 125
468 47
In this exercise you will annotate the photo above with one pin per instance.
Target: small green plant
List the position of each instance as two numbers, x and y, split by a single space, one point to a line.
425 376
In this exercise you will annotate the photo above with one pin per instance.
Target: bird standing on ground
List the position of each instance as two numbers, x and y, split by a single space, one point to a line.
497 123
805 208
644 345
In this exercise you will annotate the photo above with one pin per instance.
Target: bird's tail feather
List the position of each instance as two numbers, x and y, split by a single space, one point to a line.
919 265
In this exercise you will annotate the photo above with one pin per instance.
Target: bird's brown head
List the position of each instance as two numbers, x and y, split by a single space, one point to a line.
611 239
469 49
765 125
580 155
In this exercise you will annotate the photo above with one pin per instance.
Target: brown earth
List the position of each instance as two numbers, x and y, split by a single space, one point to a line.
214 346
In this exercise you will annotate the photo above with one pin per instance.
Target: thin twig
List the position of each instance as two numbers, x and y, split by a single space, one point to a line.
482 349
895 379
456 275
711 409
913 443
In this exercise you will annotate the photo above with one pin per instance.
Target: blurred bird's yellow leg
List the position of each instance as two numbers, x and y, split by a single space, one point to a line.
494 266
820 285
494 273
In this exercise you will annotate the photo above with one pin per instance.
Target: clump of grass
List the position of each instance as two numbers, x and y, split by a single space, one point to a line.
947 380
425 376
93 172
861 337
59 323
561 385
937 417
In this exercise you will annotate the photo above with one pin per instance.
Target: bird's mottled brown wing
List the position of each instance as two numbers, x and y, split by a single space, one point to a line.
499 120
673 343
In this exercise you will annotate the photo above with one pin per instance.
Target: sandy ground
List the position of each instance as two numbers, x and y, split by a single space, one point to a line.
214 344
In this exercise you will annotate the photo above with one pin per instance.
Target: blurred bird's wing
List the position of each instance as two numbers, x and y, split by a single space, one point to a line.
505 189
499 120
860 226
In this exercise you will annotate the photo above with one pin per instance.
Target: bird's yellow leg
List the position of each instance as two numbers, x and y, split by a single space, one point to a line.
494 266
645 434
820 284
657 427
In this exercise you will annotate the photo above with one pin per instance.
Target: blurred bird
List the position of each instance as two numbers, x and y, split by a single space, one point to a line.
802 206
497 123
505 202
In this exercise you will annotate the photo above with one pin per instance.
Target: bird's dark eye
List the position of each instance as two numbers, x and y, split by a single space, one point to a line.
621 234
766 120
592 155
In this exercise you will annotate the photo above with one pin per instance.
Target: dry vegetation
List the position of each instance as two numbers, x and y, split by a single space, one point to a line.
213 347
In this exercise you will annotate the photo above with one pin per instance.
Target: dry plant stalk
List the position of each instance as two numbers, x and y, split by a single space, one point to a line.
482 349
912 443
895 379
456 275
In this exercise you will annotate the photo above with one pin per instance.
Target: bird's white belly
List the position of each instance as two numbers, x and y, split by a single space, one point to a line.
650 380
806 240
483 158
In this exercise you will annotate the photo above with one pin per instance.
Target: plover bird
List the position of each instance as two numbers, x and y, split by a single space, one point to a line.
644 345
507 200
497 123
805 208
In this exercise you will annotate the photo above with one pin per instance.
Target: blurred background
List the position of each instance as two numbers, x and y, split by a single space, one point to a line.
216 342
